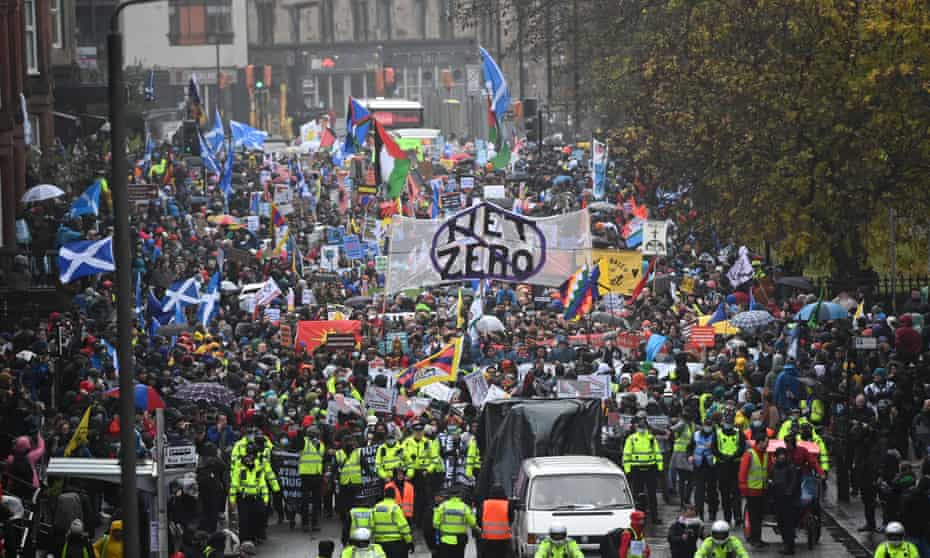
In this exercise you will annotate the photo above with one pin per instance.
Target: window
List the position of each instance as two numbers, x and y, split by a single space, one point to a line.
198 22
54 10
384 18
32 52
360 20
420 7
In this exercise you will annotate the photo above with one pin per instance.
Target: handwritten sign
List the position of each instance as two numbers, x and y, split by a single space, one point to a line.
379 399
477 387
622 269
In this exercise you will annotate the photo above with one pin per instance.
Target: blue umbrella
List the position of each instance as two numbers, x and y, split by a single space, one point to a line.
828 311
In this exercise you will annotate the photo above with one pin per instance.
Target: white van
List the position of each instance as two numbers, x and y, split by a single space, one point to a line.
589 495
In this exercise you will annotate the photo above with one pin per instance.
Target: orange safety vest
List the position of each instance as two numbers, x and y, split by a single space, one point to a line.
495 524
405 498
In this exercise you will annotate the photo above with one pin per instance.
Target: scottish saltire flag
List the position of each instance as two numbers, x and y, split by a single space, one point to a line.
181 293
225 184
580 292
209 159
358 120
149 149
88 203
210 302
496 85
246 136
443 366
215 137
155 310
111 351
179 317
140 312
599 168
85 257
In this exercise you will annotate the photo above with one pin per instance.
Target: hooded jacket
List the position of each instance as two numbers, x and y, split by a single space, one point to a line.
787 383
107 546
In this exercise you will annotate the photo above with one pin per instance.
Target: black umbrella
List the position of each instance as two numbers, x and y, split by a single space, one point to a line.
358 301
796 282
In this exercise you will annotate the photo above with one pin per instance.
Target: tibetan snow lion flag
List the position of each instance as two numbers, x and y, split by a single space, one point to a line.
442 366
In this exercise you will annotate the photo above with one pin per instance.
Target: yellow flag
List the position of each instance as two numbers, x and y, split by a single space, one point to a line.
621 270
459 319
80 435
860 312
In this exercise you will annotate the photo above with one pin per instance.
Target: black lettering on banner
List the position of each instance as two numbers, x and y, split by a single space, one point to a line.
454 227
527 258
491 224
452 252
497 257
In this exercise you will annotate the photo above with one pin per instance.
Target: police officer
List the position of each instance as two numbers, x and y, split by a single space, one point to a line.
248 488
406 493
729 450
558 545
418 458
392 531
360 517
310 468
642 461
793 422
452 519
895 546
720 544
350 482
704 474
495 519
360 546
388 457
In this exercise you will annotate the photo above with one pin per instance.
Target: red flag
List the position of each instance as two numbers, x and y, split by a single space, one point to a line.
327 139
643 280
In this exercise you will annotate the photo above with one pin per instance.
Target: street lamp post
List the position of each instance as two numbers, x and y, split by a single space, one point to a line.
123 258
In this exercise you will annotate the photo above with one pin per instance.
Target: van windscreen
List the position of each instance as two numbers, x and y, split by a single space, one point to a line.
567 492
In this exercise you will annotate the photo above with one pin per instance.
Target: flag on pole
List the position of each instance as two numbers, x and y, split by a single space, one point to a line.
193 95
88 203
181 293
443 366
358 120
150 87
495 84
226 180
111 351
210 302
599 168
391 161
215 137
246 136
580 292
85 257
79 438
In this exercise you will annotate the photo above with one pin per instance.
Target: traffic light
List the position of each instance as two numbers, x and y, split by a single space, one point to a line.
190 140
532 123
267 77
250 77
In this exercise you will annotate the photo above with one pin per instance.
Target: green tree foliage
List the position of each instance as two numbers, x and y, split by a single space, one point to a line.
799 121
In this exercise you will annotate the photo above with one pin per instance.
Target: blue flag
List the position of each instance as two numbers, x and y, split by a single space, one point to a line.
209 303
215 136
150 87
358 120
209 158
179 317
720 315
654 345
246 136
496 85
85 257
111 351
88 203
156 312
226 179
181 293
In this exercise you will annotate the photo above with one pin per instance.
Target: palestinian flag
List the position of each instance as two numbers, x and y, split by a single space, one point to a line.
502 159
391 161
328 138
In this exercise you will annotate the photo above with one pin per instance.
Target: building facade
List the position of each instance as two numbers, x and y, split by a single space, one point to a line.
25 82
328 50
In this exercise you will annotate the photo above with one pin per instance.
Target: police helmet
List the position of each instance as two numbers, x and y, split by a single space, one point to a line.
720 531
558 532
894 532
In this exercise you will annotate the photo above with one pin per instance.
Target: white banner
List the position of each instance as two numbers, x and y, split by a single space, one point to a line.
477 387
379 399
487 242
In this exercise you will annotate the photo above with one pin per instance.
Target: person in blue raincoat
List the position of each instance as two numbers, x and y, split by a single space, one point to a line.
787 388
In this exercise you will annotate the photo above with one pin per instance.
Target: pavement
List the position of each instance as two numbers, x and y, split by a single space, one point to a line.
835 541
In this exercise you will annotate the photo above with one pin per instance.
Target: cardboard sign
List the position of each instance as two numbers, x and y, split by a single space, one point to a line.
451 200
253 223
655 238
353 247
477 388
495 192
379 399
381 264
438 391
622 269
329 258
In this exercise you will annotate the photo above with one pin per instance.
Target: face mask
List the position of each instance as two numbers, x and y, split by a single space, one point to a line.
707 429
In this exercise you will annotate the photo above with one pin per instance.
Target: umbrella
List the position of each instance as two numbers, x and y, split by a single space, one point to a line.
602 206
206 391
752 319
358 301
796 282
42 192
223 220
827 311
173 330
606 319
146 397
487 324
422 308
26 355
